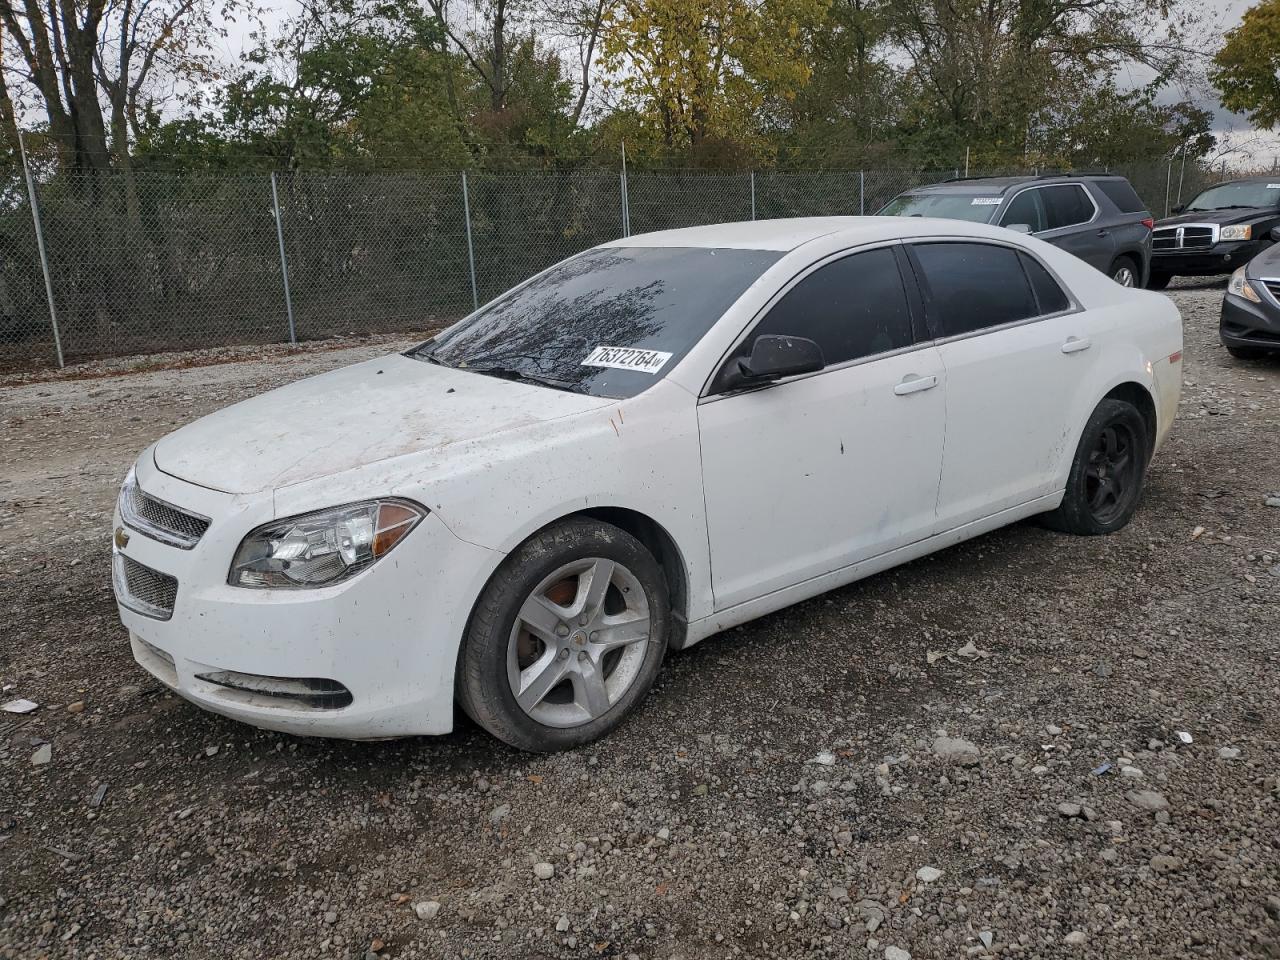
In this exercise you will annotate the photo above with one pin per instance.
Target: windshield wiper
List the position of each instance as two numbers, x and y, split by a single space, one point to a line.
422 353
510 373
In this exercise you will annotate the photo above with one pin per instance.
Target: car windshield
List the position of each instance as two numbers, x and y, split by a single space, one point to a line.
1258 193
976 206
609 322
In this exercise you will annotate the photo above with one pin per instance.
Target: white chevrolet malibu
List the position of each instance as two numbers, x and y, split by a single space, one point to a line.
648 443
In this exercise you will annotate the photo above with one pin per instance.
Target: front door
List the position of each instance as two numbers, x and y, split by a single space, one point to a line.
810 474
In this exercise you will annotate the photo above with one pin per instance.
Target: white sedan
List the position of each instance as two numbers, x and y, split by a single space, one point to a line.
646 444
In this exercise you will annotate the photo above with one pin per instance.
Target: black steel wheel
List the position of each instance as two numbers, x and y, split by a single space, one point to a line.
1110 465
1112 477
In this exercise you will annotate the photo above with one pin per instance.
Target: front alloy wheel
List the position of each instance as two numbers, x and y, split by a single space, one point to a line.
566 638
578 643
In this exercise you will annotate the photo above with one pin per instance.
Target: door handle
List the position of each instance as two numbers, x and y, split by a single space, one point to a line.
1076 344
913 384
1104 232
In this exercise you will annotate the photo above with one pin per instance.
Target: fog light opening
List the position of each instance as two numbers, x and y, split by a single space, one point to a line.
316 692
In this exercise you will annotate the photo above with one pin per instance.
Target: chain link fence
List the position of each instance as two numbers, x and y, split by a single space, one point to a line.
147 263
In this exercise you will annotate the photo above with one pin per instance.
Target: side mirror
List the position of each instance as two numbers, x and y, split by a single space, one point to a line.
1275 234
773 357
1178 208
1020 227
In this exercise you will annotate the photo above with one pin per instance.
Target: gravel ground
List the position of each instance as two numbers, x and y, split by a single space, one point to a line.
786 790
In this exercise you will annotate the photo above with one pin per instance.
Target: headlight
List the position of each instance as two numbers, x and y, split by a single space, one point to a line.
1240 287
1242 232
322 548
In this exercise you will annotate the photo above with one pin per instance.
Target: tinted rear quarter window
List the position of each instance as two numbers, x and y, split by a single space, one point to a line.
1122 195
1067 205
852 308
971 286
1050 297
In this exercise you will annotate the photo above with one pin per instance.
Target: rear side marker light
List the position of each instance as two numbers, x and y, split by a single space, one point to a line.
1175 357
1149 223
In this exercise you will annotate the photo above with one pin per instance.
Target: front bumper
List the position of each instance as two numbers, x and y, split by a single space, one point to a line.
1247 324
1220 258
389 636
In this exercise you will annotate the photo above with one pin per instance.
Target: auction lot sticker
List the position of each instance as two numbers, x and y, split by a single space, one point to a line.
627 358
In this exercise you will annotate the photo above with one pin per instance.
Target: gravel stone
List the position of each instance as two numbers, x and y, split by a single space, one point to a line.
956 750
544 871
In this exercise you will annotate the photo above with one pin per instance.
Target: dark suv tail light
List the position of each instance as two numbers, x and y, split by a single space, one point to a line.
1149 222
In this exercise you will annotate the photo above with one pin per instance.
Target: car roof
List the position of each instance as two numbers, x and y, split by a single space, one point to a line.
789 234
1000 184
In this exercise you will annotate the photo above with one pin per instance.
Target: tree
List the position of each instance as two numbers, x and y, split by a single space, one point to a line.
345 80
75 56
697 71
985 72
848 110
1247 68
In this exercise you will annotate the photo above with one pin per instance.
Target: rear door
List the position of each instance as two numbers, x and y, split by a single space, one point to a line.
1074 223
812 473
1016 351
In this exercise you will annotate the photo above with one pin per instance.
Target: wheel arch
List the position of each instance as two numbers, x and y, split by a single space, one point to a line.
653 535
658 541
1139 396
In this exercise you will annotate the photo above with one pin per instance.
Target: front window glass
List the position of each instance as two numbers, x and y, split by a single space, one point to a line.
1226 195
976 206
609 322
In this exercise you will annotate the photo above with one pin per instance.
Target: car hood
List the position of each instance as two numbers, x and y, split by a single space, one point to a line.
1222 217
389 407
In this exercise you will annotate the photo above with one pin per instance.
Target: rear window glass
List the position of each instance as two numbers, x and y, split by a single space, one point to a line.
976 206
1067 205
609 322
971 286
1122 195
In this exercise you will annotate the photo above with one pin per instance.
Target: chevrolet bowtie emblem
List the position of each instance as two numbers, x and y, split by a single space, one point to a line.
121 538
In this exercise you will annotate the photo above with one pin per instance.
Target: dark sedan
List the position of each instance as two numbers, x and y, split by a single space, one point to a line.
1223 228
1250 326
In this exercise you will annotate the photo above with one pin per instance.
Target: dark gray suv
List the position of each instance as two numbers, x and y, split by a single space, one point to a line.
1098 218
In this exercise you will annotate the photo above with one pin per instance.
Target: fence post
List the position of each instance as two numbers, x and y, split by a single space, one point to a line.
753 194
1168 185
626 200
862 193
284 260
471 250
44 258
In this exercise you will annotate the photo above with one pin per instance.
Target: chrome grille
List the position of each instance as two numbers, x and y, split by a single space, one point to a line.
1273 287
143 590
1190 237
160 520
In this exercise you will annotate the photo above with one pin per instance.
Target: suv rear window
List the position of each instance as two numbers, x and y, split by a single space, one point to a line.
1122 195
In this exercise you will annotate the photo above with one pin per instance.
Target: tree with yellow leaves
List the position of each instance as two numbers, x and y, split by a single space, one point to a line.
698 71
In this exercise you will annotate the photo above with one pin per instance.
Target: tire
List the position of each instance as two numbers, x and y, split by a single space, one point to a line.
1245 353
575 687
1101 495
1157 280
1125 272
